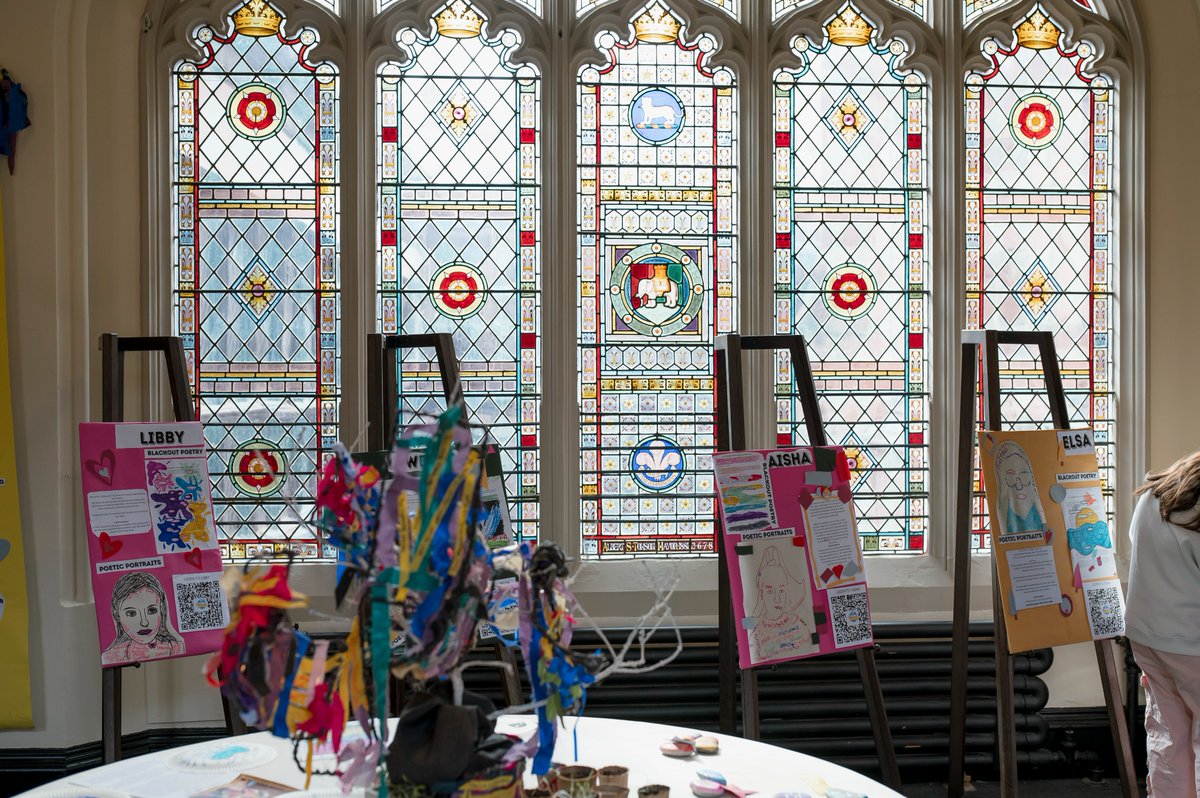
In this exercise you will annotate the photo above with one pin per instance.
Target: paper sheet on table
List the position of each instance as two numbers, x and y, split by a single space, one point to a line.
1032 578
142 779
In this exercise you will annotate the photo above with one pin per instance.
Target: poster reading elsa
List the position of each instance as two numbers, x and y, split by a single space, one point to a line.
1019 507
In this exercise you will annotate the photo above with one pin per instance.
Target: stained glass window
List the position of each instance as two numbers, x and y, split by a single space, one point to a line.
1040 221
851 195
257 301
730 6
533 5
973 8
782 7
460 203
657 282
583 6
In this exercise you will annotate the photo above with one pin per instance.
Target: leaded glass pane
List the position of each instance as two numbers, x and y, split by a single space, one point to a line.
851 192
533 5
256 269
782 7
973 8
458 169
1041 224
657 282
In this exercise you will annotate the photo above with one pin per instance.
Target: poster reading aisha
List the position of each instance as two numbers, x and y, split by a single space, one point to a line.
152 541
792 549
1051 538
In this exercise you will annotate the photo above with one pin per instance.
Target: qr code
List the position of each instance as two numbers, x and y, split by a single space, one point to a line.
851 617
1106 611
201 604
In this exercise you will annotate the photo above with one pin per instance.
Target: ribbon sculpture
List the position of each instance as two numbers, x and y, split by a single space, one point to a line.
424 575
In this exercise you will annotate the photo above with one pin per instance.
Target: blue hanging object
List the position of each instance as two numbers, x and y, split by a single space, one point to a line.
14 116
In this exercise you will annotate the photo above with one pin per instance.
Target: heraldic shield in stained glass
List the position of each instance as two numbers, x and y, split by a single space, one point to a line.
1040 236
657 284
257 302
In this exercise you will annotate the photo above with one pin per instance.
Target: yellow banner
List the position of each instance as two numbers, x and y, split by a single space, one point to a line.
15 708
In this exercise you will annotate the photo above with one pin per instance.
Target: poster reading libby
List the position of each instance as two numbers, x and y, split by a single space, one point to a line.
1051 538
152 541
792 549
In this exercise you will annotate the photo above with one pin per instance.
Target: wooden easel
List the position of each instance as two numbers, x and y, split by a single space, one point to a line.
112 396
383 418
731 436
987 343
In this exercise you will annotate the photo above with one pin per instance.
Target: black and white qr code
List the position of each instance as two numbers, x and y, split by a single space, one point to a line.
201 605
850 615
1106 612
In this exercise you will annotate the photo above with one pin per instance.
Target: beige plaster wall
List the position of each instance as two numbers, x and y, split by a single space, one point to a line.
72 230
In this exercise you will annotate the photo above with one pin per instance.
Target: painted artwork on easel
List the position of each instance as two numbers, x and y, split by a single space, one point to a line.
795 565
155 563
1052 541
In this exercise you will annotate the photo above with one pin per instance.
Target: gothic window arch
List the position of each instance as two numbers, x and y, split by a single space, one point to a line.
792 165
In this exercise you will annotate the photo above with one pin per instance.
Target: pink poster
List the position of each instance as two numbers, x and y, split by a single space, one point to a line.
792 549
152 541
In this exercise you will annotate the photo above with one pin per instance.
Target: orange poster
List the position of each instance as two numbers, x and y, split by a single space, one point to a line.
1051 538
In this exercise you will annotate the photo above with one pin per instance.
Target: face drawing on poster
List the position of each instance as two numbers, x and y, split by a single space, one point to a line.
142 620
783 621
1020 505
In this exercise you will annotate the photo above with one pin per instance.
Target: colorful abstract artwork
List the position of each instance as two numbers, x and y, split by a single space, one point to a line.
256 270
459 165
1040 238
850 199
657 282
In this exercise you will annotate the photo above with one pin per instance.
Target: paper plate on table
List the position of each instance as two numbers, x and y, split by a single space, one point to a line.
73 791
222 755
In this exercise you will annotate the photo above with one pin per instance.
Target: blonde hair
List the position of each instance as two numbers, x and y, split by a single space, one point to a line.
1177 490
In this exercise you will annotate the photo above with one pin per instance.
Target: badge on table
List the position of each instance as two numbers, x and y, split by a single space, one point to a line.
152 541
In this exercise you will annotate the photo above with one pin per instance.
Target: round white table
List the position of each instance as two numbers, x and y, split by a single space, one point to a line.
753 766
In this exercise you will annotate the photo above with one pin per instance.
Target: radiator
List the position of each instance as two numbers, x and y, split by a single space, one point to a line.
816 706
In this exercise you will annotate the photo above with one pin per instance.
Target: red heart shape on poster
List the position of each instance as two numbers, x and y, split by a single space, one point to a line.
109 546
844 494
837 570
1049 534
193 557
102 469
806 498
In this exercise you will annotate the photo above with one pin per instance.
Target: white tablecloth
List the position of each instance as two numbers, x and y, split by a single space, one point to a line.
765 769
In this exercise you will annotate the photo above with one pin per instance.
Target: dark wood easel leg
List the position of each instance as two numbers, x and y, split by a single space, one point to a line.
960 656
726 648
878 715
1006 724
750 719
510 679
110 721
1107 661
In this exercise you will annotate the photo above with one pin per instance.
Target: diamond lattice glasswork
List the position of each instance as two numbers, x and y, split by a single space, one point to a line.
458 175
851 192
255 171
1040 227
